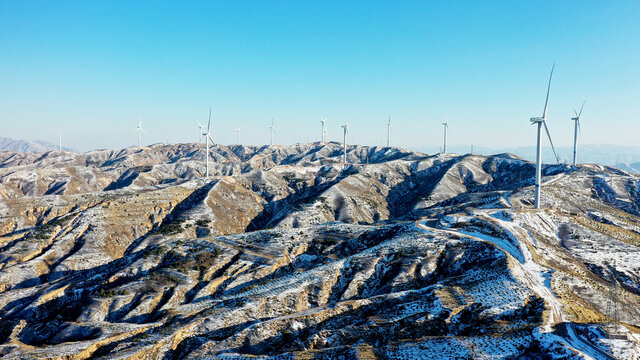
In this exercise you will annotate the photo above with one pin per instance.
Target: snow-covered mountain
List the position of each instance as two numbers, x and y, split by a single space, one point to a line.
285 252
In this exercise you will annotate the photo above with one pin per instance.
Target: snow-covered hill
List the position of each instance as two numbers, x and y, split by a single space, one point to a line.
284 252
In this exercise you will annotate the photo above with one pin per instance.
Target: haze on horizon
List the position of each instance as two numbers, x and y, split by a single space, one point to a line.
91 69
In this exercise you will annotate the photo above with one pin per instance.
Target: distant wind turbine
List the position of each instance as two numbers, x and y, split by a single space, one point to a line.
542 121
323 120
575 133
346 131
238 136
446 127
271 130
60 140
140 130
389 131
207 135
200 133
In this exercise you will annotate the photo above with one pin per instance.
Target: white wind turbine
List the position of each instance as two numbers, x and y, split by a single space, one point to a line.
271 130
140 130
200 133
346 131
323 120
389 131
446 127
60 140
238 136
542 121
207 135
575 133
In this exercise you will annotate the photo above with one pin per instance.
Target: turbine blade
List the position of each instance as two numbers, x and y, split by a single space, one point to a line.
582 107
546 102
210 138
209 125
579 129
551 142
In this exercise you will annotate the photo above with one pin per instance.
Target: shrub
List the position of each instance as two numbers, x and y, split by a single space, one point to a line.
165 278
203 222
107 293
44 231
204 260
159 250
171 228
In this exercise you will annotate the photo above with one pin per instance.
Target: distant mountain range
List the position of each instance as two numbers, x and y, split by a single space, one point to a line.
623 157
29 146
634 167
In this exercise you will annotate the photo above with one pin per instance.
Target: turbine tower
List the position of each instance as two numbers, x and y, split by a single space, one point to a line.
207 135
238 136
60 140
575 133
346 131
446 127
323 120
271 129
542 121
140 130
389 131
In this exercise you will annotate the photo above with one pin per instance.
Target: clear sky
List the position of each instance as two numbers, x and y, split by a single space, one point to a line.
91 68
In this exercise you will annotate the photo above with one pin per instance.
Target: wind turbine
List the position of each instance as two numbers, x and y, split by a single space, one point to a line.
238 136
200 133
140 130
575 132
542 121
446 127
271 129
346 131
60 140
207 135
389 131
323 120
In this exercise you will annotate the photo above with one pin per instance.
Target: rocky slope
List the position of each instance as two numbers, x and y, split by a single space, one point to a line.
284 252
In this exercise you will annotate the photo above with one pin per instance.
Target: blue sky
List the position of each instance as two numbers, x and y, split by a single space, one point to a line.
92 68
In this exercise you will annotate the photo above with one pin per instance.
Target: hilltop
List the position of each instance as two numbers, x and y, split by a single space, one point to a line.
284 252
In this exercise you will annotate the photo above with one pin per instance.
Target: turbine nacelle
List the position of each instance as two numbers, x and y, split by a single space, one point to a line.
535 120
